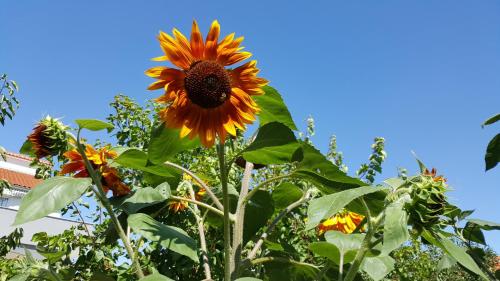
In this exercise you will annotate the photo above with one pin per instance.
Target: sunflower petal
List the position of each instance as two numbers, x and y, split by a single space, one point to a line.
196 42
211 41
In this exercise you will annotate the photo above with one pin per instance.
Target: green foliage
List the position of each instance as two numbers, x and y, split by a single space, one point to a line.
492 156
8 101
273 108
94 125
50 196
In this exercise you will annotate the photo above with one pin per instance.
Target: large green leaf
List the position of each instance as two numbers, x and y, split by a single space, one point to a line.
486 225
50 196
155 277
273 109
137 159
258 211
328 205
339 248
94 124
492 120
285 194
275 144
141 198
27 148
377 267
314 167
395 226
457 253
166 143
492 156
167 236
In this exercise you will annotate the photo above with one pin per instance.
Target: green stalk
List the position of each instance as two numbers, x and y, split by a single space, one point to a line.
227 223
105 202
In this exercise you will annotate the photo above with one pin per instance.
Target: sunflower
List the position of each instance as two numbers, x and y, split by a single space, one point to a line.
177 206
204 98
49 138
99 160
344 221
434 176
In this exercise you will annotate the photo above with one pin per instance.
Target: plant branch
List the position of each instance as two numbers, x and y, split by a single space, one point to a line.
105 202
281 260
199 181
306 197
201 233
204 205
227 223
240 219
83 222
262 184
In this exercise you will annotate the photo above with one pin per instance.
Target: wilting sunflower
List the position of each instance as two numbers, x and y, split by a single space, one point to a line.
344 221
49 137
204 98
99 160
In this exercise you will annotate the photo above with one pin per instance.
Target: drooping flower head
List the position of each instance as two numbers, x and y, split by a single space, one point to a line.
344 221
49 137
99 160
203 97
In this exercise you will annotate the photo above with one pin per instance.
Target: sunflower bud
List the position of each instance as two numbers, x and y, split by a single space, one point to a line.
49 138
428 200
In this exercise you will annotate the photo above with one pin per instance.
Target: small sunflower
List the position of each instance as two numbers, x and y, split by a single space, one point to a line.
344 221
203 97
433 174
177 206
99 159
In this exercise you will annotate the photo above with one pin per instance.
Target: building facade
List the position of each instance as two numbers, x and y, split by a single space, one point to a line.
17 171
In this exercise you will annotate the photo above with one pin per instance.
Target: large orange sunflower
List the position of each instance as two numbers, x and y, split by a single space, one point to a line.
203 97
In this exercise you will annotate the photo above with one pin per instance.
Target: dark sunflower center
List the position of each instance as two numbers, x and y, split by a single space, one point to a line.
207 84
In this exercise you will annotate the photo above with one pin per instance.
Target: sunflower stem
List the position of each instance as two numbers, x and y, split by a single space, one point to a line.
105 202
227 223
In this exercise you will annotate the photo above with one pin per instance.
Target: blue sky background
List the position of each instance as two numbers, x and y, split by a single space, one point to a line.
422 74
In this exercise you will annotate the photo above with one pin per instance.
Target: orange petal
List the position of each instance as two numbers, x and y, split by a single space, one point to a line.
196 42
211 41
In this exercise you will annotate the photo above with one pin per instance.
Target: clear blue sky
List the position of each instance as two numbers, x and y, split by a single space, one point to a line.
422 74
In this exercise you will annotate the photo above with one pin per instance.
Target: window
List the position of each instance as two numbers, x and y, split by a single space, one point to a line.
3 202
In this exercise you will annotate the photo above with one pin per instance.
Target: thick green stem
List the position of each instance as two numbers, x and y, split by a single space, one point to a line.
366 245
105 202
227 223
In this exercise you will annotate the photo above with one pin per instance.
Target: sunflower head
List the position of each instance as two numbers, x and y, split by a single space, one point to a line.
203 97
49 137
99 160
345 222
428 200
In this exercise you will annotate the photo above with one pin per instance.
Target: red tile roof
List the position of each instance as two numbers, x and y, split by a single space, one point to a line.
25 157
19 179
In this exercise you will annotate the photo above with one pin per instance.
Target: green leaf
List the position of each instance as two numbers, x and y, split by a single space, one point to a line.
446 262
21 277
27 148
94 125
141 198
166 143
258 211
285 194
492 156
395 227
137 159
248 279
155 277
273 109
328 205
491 120
472 232
377 267
275 144
50 196
486 225
167 236
314 167
454 251
339 248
